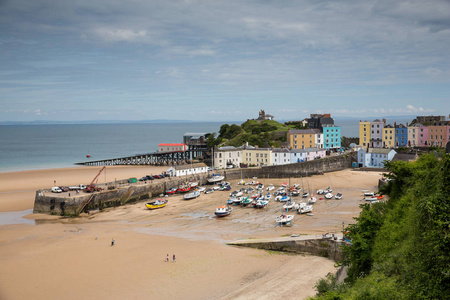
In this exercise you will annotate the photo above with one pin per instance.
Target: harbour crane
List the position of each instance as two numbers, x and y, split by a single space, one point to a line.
92 186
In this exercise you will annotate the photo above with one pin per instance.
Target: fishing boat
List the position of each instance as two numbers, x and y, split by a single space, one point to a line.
246 200
215 178
223 211
261 203
208 191
305 195
193 184
329 195
320 192
171 191
241 182
231 200
338 196
284 219
158 203
305 209
369 194
270 187
201 189
184 189
191 196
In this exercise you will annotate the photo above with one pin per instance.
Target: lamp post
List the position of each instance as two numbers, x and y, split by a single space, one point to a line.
342 230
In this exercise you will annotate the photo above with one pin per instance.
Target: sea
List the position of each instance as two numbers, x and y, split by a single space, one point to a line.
31 147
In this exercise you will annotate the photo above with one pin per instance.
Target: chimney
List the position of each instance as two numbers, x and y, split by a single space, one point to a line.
395 124
384 122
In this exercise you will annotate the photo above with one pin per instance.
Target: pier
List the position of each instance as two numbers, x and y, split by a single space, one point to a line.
155 159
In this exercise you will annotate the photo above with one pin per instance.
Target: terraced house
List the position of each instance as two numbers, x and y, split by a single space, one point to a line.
388 136
257 156
438 134
227 156
364 133
302 138
376 133
417 135
401 135
331 137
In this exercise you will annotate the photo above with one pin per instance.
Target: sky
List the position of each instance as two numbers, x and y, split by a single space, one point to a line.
222 60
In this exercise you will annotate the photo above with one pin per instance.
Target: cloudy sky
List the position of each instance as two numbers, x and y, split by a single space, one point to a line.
222 60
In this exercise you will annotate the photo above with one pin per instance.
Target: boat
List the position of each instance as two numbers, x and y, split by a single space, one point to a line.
295 193
305 209
193 184
223 211
246 200
225 188
312 200
261 203
284 198
329 195
320 192
371 198
171 191
270 187
158 203
289 205
208 191
338 196
241 182
184 189
215 178
305 195
284 184
191 196
284 219
231 200
201 189
369 194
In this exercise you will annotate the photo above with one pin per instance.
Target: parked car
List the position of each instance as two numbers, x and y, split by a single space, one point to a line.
156 176
64 188
143 179
149 177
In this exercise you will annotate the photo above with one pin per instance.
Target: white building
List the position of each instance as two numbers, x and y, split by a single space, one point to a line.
300 155
185 170
374 157
280 156
227 156
319 140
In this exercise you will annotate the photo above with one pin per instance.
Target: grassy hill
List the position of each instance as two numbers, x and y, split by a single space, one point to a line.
262 133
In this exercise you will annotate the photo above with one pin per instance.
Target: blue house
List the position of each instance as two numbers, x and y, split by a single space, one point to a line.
331 137
401 135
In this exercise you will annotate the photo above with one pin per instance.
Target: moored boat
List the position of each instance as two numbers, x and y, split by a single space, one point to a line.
192 195
171 191
289 205
284 219
216 178
184 189
158 203
223 211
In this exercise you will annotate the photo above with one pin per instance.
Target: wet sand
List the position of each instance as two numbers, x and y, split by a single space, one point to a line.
73 258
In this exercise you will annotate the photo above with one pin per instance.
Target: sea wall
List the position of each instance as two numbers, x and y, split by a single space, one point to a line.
121 192
325 247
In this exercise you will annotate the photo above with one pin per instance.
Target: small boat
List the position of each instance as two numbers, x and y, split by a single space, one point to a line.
241 182
246 200
191 196
284 184
289 205
223 211
261 203
305 195
268 196
338 196
201 189
208 191
284 219
312 200
225 188
329 195
156 204
88 155
295 193
284 198
305 209
171 191
184 189
255 196
216 188
371 198
369 194
320 192
216 178
231 200
270 187
193 184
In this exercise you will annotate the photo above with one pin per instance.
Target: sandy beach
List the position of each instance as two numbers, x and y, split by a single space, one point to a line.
72 258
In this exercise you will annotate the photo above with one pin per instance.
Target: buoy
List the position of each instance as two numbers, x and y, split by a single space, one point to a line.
88 155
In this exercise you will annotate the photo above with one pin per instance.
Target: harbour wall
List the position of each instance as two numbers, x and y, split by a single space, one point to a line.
325 247
121 192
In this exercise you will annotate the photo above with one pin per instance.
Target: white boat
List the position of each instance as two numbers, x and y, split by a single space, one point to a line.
193 184
305 209
284 219
338 196
285 198
289 205
201 189
305 195
241 182
369 194
299 205
261 203
216 178
192 195
312 200
223 211
320 192
208 191
270 187
329 195
371 198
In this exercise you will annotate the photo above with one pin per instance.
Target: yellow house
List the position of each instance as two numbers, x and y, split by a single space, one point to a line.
257 156
364 133
302 138
388 136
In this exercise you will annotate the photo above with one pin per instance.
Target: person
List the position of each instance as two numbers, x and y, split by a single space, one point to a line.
113 242
173 258
167 257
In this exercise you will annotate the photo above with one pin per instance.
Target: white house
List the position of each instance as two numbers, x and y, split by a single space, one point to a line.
374 157
185 170
299 155
280 156
226 156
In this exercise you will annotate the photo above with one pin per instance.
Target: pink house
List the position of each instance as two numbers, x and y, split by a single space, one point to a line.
422 133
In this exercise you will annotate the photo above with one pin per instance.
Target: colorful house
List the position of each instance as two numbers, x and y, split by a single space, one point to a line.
438 134
280 156
388 136
401 135
364 133
331 137
413 135
301 155
302 138
376 133
227 156
257 156
374 157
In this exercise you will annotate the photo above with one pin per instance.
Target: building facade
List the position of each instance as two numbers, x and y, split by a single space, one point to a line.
302 138
227 156
401 135
257 157
388 136
280 156
364 133
172 147
186 170
331 137
438 134
376 133
374 157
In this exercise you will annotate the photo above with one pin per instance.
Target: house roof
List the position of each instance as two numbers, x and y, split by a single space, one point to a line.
380 150
280 150
304 131
306 150
404 157
171 144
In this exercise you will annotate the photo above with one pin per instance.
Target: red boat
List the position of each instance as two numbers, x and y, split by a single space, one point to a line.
172 191
183 189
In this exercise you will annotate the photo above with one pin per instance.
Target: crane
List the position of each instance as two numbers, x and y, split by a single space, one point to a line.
91 187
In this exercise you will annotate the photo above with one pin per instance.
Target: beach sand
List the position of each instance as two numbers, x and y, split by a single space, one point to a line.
72 258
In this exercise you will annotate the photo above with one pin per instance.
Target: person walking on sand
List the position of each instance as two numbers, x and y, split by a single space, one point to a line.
173 258
167 257
113 242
